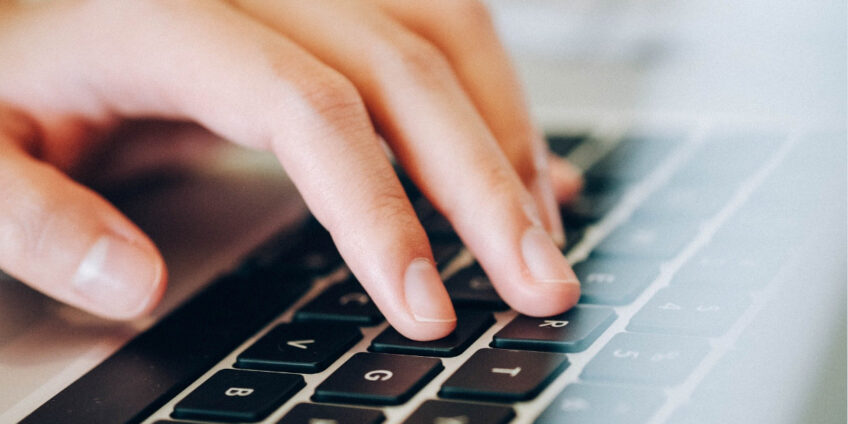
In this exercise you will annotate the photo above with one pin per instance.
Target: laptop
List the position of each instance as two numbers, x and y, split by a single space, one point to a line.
710 241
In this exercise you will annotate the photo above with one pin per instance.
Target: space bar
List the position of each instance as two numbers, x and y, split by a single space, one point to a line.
159 363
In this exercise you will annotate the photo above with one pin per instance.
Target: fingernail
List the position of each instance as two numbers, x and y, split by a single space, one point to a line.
425 293
543 259
117 277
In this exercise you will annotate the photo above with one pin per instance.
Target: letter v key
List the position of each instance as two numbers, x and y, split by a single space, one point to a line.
300 344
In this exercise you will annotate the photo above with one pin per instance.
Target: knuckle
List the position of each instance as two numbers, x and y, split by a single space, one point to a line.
501 182
27 226
333 97
392 206
469 13
420 60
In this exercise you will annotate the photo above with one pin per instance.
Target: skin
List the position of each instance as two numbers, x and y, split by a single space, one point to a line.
319 84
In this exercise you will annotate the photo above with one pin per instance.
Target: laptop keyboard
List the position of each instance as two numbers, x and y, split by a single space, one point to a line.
662 242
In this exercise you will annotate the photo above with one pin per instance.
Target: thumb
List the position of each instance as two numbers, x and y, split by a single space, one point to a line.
69 243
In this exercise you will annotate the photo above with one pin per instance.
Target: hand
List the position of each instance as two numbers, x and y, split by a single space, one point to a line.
309 81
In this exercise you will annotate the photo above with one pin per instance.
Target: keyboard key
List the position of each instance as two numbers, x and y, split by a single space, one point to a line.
377 378
345 302
689 311
635 157
445 412
609 281
690 200
588 208
563 144
648 359
729 157
438 228
503 375
310 413
573 235
647 239
572 331
603 185
445 251
469 326
238 396
299 347
309 250
597 404
471 288
726 269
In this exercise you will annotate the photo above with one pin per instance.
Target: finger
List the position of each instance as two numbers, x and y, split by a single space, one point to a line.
464 32
71 244
210 63
566 179
440 140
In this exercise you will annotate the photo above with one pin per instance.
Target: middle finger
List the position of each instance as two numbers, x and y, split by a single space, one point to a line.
441 141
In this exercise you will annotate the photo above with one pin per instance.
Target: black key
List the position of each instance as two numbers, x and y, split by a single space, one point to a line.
377 378
438 228
563 144
603 185
173 353
345 302
310 413
573 235
309 250
572 331
689 311
469 326
609 281
237 396
503 375
588 208
445 412
597 404
647 239
471 288
635 157
445 251
299 347
648 359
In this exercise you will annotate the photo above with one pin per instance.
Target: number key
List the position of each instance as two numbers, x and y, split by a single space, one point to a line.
689 311
649 359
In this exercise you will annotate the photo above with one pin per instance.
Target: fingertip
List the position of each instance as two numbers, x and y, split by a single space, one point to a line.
428 302
118 279
547 301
